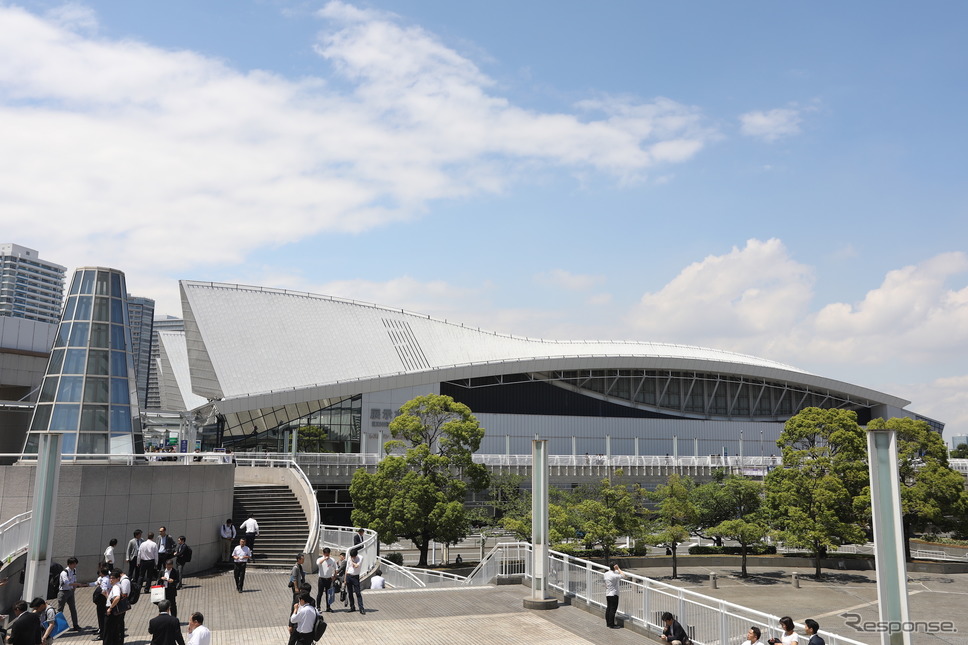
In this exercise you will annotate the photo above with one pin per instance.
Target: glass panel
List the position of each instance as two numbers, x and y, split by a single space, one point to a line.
56 361
96 390
68 442
99 334
116 289
79 334
117 337
83 311
94 417
103 283
70 389
50 386
92 444
119 366
65 417
120 418
97 362
119 391
75 361
30 448
102 308
87 281
117 311
41 417
75 284
69 309
63 333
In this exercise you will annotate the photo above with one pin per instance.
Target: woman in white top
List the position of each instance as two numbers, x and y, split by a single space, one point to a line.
109 552
789 637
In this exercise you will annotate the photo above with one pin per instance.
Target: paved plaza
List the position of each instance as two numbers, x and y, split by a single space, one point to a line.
495 615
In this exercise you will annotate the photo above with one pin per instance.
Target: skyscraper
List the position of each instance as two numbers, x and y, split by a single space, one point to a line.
141 313
30 288
162 323
89 393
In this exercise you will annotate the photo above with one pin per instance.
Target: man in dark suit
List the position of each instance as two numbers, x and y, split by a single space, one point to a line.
812 628
166 547
25 628
164 628
170 580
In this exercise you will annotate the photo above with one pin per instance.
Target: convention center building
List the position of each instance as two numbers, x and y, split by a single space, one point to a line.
256 363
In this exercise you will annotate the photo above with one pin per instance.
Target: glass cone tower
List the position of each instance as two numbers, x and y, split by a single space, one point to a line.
90 392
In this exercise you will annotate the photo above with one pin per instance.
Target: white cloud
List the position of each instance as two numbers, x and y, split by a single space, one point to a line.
562 279
128 152
772 125
944 399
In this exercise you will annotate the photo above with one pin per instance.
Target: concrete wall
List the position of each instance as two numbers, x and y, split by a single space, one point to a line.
98 502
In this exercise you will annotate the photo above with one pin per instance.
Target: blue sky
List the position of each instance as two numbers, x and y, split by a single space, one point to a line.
779 179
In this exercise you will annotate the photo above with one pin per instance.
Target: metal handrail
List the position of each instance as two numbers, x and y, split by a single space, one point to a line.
14 535
713 620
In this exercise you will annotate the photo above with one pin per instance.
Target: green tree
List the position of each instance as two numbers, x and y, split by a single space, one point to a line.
960 452
727 497
419 495
608 511
932 494
675 516
311 439
818 496
747 532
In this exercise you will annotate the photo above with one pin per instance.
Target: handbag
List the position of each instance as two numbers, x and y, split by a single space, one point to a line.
157 593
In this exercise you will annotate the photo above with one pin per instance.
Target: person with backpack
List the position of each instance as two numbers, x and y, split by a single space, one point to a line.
183 555
303 619
48 619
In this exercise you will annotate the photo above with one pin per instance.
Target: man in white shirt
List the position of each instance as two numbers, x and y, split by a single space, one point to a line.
354 567
612 577
65 591
327 569
109 552
251 529
199 634
148 558
752 636
240 557
227 536
304 619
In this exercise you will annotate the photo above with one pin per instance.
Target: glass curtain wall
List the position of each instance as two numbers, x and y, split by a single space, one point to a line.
89 393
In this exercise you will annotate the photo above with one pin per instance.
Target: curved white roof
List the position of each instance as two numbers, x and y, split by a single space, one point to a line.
246 340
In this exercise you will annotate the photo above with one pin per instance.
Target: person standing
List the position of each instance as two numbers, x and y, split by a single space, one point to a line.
240 557
131 555
612 578
251 529
102 587
354 567
199 634
148 558
166 546
65 591
226 534
327 569
109 552
297 577
812 628
358 538
46 614
303 618
164 627
114 612
183 555
169 580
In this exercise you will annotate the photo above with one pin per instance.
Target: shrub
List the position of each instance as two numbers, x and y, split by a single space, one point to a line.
395 557
755 549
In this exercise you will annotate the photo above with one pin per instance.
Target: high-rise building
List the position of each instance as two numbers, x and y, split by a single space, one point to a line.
162 323
141 313
89 393
30 288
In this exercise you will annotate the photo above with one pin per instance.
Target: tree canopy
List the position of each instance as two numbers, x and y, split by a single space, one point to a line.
675 516
821 491
419 495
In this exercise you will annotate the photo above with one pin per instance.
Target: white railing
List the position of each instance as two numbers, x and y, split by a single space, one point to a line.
401 577
14 536
708 620
160 458
868 549
341 538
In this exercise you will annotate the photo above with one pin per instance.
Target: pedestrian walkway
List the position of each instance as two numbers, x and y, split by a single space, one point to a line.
485 615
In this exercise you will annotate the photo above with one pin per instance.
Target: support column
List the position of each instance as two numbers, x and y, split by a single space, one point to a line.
892 597
539 528
44 508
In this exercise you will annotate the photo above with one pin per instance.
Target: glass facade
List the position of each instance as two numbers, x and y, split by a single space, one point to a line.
341 423
90 392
